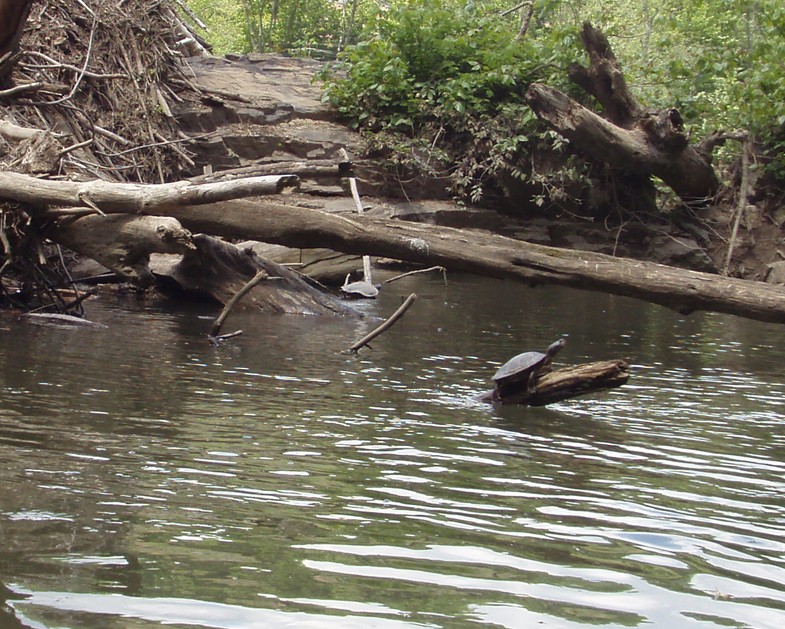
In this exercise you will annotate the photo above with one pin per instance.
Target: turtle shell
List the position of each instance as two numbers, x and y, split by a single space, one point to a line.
519 368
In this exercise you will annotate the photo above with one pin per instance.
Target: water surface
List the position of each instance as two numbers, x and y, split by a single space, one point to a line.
150 479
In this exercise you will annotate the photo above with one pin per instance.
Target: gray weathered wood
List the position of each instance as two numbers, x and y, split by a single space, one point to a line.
133 197
487 254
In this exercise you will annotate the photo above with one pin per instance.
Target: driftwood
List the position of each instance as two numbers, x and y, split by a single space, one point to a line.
124 242
55 318
487 254
565 383
384 326
108 197
632 138
219 321
15 133
216 270
458 250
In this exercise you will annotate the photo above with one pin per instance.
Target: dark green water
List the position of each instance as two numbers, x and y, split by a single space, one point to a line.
148 479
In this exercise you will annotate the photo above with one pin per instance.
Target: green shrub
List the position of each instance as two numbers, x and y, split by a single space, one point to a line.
451 75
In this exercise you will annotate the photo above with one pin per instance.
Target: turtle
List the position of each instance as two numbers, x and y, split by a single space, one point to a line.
525 368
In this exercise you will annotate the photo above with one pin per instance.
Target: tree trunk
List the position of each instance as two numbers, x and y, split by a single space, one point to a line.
104 196
487 254
214 269
124 242
459 250
632 138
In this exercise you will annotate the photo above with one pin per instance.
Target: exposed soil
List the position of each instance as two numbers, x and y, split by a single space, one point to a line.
267 109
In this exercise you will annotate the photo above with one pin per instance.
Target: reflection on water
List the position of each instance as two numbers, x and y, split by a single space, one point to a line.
150 479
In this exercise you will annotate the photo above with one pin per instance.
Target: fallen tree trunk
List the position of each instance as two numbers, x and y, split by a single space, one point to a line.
487 254
458 250
684 169
632 139
216 270
124 242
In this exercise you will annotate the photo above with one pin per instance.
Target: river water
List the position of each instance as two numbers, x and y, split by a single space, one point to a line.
150 479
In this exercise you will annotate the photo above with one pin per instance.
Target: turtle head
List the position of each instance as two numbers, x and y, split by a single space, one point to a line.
555 347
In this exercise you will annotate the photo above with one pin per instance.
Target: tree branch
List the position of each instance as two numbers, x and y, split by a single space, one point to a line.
130 197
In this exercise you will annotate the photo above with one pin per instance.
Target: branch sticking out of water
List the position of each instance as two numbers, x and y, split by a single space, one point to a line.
386 325
261 275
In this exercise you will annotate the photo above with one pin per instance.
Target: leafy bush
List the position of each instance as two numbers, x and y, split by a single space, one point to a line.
454 74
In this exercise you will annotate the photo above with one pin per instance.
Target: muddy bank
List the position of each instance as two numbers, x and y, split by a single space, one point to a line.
266 109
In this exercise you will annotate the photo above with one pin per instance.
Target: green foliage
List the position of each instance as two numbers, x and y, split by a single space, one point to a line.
226 24
721 62
451 74
294 26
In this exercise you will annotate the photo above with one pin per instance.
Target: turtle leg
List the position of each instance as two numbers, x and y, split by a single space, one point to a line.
531 387
534 377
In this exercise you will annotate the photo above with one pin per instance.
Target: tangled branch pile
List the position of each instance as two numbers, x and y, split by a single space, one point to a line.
90 96
104 76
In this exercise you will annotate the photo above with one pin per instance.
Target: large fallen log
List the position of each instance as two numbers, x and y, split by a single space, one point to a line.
105 196
487 254
216 270
124 242
458 250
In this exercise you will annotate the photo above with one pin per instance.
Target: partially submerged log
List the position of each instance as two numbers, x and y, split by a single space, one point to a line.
458 250
54 318
632 138
487 254
565 383
124 242
391 320
216 270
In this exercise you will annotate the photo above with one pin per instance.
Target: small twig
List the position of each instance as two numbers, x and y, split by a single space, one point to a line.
70 305
75 212
53 64
4 237
112 136
386 325
216 340
185 157
83 69
86 8
742 205
74 147
192 14
261 275
520 5
156 144
416 272
85 198
11 91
